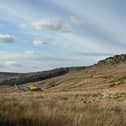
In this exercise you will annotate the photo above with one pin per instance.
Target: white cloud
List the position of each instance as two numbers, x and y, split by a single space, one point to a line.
6 38
29 61
11 63
55 23
95 54
38 42
94 27
101 19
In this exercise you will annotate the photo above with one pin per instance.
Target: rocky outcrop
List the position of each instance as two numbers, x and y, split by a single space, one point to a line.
114 60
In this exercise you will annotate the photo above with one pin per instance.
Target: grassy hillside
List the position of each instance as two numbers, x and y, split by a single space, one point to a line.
97 77
91 96
74 76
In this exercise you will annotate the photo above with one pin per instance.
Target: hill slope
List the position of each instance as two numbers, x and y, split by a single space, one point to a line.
91 96
17 78
108 73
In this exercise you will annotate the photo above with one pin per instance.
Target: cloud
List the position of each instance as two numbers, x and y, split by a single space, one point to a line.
28 58
31 61
38 42
38 57
6 38
12 63
95 54
110 28
55 23
96 29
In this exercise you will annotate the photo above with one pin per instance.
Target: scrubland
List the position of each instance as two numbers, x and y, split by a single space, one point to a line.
94 96
63 109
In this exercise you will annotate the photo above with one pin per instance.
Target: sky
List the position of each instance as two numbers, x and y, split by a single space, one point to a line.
37 35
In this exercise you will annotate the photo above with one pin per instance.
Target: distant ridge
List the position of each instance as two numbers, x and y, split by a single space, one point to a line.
17 78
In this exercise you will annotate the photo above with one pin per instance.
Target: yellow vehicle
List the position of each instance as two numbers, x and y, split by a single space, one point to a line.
34 88
28 88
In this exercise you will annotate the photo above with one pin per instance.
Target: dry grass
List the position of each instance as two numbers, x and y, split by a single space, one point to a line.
93 78
62 109
90 97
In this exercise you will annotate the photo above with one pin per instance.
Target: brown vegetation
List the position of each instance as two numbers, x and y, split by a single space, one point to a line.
62 109
92 96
